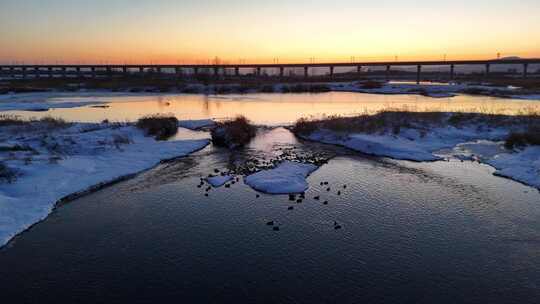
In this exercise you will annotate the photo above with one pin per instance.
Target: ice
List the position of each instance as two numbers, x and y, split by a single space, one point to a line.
196 124
287 177
218 181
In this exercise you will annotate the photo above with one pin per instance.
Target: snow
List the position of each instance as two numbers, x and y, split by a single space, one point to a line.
522 165
410 144
287 177
527 96
7 105
69 160
196 124
218 181
484 145
435 90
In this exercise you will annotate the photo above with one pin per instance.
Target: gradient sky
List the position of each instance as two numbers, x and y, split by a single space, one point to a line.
166 31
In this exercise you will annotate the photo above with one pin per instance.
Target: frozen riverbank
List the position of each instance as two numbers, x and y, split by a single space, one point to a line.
48 161
435 136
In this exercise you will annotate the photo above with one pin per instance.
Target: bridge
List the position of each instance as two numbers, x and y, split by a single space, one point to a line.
92 71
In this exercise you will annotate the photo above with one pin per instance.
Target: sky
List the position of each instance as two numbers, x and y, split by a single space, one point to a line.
195 31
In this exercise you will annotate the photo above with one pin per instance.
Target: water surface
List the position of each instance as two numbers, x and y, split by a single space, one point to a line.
275 109
445 232
441 232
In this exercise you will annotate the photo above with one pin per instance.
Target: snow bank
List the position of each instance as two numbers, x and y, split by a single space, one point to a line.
287 177
523 165
218 181
43 105
435 90
196 124
485 145
410 144
71 160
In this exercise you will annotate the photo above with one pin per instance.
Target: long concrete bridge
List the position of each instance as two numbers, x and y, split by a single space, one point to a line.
104 70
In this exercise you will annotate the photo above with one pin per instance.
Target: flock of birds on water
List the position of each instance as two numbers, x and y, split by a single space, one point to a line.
297 198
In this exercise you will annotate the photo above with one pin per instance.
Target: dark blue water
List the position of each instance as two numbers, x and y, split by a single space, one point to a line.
411 233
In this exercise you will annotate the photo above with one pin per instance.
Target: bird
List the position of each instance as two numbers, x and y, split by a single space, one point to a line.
270 223
290 208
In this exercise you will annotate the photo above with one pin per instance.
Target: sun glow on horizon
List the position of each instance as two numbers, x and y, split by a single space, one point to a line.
165 31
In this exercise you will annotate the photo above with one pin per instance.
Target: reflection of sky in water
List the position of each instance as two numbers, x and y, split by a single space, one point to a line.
275 109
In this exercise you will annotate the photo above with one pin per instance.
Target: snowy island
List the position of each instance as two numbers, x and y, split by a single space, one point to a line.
43 161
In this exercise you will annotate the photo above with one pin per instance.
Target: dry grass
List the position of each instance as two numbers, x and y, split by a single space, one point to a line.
365 123
233 133
46 123
159 125
370 84
306 88
393 121
522 139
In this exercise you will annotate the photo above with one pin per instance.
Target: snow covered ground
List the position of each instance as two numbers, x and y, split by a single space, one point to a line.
472 142
52 162
196 124
218 181
435 90
287 177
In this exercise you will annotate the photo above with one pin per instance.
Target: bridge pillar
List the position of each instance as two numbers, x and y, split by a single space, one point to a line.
452 72
158 69
525 67
306 71
237 71
78 70
64 69
387 73
488 67
418 71
258 71
281 72
37 72
332 71
359 69
93 72
216 72
109 71
177 72
50 69
124 70
23 72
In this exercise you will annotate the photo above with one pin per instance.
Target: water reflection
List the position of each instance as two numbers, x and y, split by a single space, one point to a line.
276 109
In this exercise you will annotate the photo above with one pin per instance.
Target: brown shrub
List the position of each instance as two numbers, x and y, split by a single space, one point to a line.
522 139
158 125
370 84
233 133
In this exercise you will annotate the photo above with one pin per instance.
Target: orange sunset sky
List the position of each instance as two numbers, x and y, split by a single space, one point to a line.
167 31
